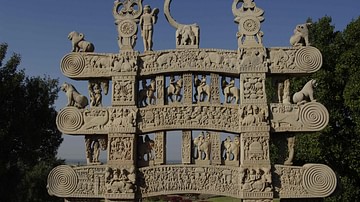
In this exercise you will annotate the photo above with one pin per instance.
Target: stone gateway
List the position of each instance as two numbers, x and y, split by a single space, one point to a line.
201 92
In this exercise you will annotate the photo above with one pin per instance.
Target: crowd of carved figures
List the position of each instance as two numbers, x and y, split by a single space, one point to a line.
189 178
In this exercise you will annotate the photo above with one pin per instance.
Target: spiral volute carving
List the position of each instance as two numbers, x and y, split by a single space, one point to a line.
308 59
69 119
314 116
319 180
62 181
73 64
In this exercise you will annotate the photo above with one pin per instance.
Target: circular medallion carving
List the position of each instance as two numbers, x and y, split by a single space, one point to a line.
319 180
308 58
62 181
127 28
73 64
314 116
250 25
69 119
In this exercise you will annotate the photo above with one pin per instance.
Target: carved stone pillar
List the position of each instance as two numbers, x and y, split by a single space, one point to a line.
255 148
160 90
215 148
188 88
160 148
215 88
123 88
186 147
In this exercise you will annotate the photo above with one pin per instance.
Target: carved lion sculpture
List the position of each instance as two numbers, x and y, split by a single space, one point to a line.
79 44
306 93
74 97
301 35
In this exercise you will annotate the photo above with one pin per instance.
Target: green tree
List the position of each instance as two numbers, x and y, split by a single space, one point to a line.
338 145
29 138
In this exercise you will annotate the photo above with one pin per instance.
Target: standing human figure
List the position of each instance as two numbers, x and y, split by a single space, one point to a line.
147 20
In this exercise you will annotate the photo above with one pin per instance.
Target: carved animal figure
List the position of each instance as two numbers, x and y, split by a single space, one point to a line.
202 90
230 91
79 44
175 89
301 35
232 148
95 122
306 93
203 145
145 147
210 59
187 34
165 59
147 94
74 97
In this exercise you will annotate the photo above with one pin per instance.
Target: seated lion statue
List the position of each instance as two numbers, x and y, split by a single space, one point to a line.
74 97
306 93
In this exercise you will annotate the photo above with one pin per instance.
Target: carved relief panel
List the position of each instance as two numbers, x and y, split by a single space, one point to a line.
186 148
252 88
188 89
121 149
160 148
123 88
255 148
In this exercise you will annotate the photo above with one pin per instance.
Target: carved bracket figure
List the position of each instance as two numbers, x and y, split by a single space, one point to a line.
301 35
95 90
74 97
79 44
93 145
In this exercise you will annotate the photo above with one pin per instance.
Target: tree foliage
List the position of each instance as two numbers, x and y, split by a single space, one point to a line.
29 137
338 145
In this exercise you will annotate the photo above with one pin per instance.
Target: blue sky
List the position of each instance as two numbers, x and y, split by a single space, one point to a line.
38 31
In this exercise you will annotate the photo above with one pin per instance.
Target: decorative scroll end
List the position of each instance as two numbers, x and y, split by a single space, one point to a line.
319 180
73 64
311 116
62 181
